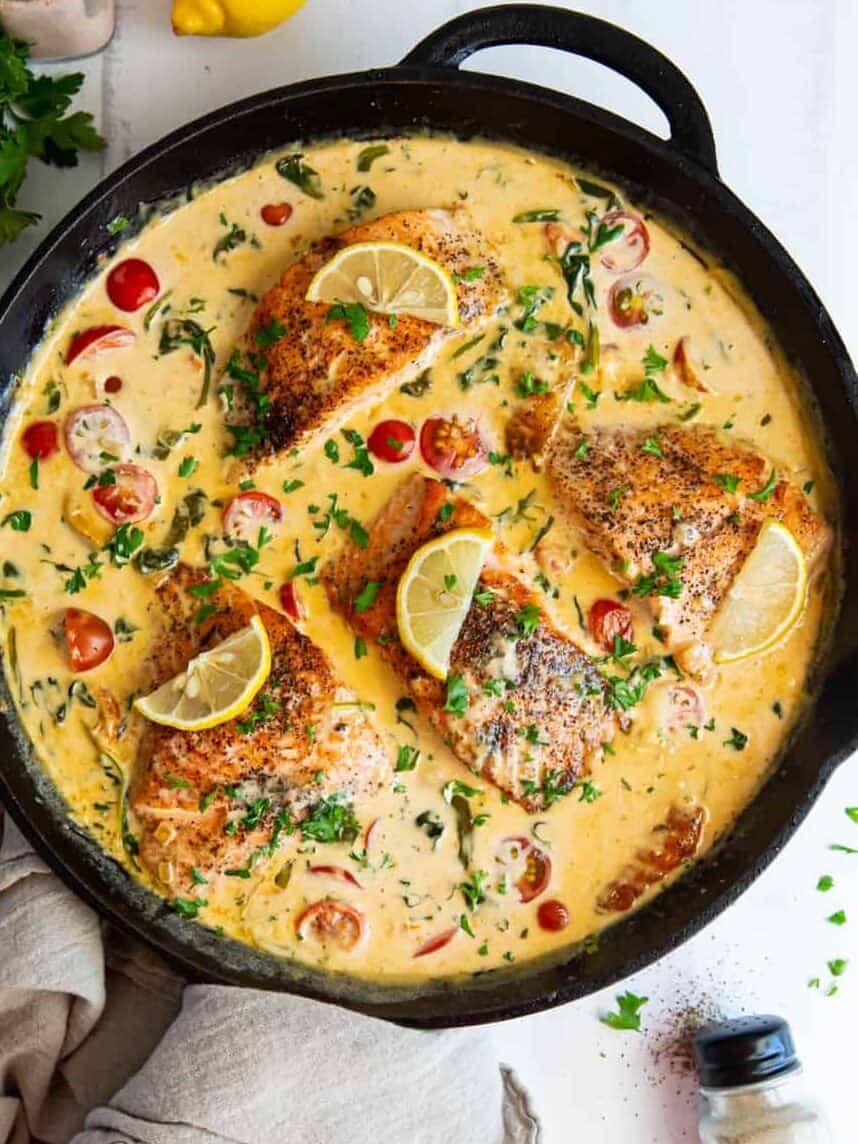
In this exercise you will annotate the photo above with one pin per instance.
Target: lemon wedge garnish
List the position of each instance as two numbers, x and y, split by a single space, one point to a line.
435 592
388 278
230 17
216 686
765 599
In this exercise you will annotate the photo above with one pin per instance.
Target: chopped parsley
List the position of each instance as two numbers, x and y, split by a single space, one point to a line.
628 1012
263 711
456 702
727 481
366 597
738 741
354 315
664 580
474 890
528 619
766 491
332 819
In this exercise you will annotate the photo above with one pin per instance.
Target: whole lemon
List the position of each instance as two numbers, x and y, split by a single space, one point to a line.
230 17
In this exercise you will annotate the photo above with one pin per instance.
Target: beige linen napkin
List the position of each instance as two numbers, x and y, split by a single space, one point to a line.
100 1044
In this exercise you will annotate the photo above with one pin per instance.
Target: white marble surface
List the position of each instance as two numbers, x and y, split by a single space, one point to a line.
779 79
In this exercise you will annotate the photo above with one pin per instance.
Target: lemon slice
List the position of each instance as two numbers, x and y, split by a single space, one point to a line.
216 685
765 599
435 592
389 278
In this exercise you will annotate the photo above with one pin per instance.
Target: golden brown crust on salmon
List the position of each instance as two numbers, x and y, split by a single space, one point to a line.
536 714
685 492
211 799
315 374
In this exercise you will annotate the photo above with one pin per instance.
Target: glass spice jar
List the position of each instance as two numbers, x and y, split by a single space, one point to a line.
751 1079
60 29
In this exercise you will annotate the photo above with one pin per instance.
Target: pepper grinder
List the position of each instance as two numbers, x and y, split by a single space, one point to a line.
60 29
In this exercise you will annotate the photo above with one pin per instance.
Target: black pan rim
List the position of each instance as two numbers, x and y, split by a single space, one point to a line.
480 1005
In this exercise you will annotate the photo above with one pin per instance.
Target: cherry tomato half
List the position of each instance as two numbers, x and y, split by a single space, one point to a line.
98 340
130 498
88 638
552 916
247 513
290 601
332 923
41 440
131 284
392 441
628 250
633 300
684 707
433 944
275 214
527 866
607 620
96 436
453 447
338 873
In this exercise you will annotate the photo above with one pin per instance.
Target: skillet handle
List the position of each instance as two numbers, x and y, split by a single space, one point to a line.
583 35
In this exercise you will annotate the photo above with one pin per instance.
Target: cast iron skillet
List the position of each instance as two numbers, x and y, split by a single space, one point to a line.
679 179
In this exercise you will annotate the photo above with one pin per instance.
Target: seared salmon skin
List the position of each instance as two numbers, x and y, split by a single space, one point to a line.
311 373
523 706
686 494
219 800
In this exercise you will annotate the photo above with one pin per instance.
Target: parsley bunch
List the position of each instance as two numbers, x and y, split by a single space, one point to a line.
34 123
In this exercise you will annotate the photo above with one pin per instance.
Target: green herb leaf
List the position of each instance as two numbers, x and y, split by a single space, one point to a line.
18 521
354 315
367 595
368 155
628 1012
293 168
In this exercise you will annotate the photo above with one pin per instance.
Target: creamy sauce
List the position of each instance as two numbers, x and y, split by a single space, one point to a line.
410 889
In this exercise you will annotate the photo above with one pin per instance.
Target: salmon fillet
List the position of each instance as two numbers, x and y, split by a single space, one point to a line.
314 373
535 714
219 800
682 492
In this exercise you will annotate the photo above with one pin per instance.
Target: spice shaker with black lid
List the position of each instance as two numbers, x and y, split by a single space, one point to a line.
750 1076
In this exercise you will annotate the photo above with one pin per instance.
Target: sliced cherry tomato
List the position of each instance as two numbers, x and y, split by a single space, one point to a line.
96 436
437 942
98 340
528 867
131 496
453 447
88 638
247 513
607 620
392 441
113 384
559 236
290 601
332 923
131 284
552 916
685 707
628 250
275 214
339 873
41 440
687 365
635 299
